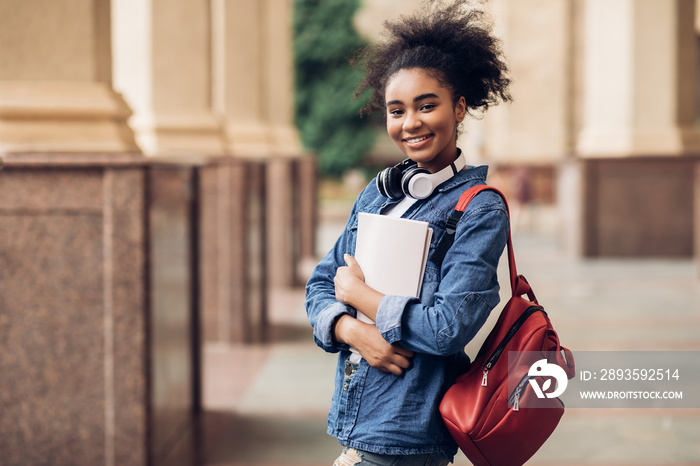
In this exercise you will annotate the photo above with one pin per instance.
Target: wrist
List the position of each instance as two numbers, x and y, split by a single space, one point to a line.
342 329
356 291
368 302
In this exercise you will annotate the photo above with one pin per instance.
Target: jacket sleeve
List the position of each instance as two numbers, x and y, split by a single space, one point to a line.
466 292
322 309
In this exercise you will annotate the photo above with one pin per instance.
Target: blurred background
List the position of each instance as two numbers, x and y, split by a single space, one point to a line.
173 169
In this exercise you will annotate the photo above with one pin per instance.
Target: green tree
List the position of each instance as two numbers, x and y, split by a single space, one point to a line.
326 113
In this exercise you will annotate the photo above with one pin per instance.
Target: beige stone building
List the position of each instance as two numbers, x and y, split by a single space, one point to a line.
153 180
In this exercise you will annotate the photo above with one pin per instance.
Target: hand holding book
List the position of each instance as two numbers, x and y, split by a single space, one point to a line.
369 343
351 289
391 254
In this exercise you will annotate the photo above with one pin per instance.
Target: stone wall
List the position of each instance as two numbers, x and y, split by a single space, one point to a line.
97 311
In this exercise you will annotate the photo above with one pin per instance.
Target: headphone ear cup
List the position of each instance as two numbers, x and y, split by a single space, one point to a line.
415 185
381 176
389 183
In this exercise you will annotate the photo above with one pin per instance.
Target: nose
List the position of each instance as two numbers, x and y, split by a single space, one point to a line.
412 121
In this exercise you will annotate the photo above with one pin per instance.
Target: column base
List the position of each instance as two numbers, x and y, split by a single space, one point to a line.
179 134
51 117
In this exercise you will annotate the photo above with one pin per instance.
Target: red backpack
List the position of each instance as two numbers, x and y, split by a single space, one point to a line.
493 411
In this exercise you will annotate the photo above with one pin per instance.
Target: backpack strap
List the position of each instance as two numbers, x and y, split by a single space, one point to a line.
518 284
448 238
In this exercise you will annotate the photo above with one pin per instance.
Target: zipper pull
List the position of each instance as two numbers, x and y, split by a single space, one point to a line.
484 381
516 396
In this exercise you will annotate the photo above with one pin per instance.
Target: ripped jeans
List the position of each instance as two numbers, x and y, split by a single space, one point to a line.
352 457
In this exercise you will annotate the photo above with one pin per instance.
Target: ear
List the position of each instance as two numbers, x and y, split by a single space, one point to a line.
460 109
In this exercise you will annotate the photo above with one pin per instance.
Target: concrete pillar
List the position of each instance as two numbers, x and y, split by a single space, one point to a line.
536 127
634 189
55 79
99 255
640 76
74 310
696 217
253 91
253 77
98 310
279 76
232 217
239 91
162 65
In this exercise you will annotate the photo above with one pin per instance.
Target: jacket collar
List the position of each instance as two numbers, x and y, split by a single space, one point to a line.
469 173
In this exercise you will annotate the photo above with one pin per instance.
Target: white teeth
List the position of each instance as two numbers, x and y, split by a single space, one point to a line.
414 140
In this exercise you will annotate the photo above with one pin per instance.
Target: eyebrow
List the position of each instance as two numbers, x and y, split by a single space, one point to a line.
415 99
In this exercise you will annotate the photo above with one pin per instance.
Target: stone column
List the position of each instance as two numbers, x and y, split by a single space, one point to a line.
253 76
162 65
524 141
72 311
537 43
640 77
98 277
253 91
239 91
634 194
98 309
232 250
279 76
696 217
285 182
55 79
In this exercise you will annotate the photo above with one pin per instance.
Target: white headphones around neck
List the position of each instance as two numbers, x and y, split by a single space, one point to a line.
408 179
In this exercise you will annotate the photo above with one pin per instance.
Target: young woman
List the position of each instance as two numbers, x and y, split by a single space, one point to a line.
429 74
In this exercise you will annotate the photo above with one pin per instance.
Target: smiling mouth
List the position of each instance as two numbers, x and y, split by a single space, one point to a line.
416 139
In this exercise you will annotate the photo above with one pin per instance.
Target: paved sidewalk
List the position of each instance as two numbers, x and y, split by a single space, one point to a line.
266 405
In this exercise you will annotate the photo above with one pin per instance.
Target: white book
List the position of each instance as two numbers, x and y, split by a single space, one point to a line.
392 253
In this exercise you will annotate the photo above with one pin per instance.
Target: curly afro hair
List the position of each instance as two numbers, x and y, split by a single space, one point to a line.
452 42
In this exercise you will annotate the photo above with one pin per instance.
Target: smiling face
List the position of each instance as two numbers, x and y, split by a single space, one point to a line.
422 118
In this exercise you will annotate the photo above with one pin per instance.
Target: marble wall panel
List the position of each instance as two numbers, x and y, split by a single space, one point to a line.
171 318
696 217
125 296
232 249
97 315
52 326
639 206
73 311
211 310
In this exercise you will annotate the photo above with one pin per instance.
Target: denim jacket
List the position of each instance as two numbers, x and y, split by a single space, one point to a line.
383 413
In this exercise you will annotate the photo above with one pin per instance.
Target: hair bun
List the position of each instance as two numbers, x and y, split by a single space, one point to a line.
452 40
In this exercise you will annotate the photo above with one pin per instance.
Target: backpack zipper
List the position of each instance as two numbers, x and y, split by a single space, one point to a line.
514 398
502 345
